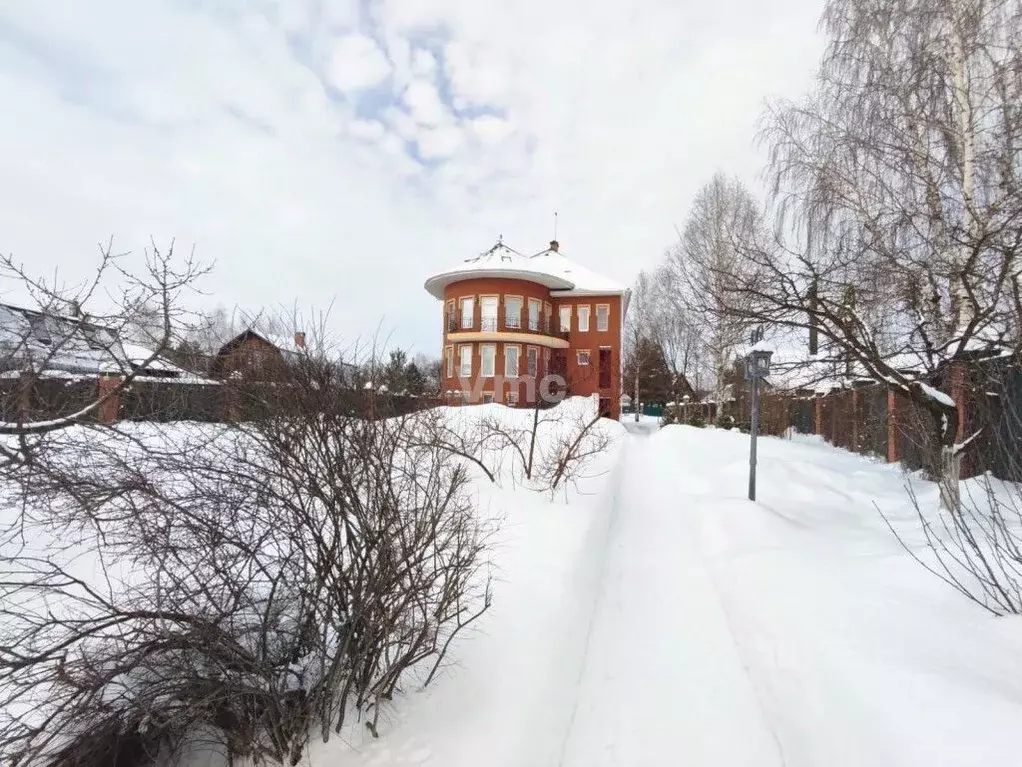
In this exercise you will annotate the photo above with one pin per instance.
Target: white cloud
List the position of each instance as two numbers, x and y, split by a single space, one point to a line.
370 130
357 63
423 63
440 142
476 76
612 114
424 103
491 129
403 123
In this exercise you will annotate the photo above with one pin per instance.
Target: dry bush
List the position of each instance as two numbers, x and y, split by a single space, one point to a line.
255 582
975 543
546 449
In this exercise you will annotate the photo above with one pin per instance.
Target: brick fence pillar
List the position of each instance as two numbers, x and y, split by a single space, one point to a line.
893 445
109 409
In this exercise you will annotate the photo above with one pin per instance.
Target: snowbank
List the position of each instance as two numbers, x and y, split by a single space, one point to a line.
857 654
509 700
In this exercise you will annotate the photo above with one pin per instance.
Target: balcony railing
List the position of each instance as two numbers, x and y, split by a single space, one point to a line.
505 323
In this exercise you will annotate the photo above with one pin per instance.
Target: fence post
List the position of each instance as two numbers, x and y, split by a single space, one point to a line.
23 403
893 445
109 409
818 415
855 420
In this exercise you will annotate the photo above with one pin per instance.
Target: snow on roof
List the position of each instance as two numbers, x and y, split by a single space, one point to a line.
136 355
55 344
550 268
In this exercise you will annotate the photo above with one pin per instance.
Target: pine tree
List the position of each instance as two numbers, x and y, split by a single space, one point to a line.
415 381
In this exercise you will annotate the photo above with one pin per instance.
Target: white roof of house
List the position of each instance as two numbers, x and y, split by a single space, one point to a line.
55 344
550 268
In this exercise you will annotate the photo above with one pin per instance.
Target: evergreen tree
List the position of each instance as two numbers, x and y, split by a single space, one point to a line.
394 372
415 381
655 379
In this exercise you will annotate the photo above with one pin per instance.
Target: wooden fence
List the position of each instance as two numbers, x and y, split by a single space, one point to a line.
39 399
874 420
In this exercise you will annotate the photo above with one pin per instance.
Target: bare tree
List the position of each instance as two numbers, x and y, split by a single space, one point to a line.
638 326
254 583
976 548
900 207
704 265
79 328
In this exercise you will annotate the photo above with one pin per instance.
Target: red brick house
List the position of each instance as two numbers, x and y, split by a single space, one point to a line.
519 328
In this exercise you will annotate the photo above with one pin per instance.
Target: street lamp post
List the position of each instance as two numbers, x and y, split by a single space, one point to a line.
757 367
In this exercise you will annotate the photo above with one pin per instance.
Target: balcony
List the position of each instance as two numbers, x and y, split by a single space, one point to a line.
504 323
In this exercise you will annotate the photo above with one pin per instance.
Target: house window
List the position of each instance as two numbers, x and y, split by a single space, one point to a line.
513 312
488 312
452 323
602 317
565 319
534 307
512 398
465 352
449 354
582 356
487 398
532 359
583 319
488 360
468 308
511 361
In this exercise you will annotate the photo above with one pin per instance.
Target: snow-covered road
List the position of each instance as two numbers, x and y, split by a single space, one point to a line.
658 618
664 680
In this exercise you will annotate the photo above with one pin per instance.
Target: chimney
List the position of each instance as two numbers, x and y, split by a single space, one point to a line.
554 245
299 339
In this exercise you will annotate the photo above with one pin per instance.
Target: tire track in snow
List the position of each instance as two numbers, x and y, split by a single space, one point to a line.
612 515
662 680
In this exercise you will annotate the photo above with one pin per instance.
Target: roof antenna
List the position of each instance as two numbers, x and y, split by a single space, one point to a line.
554 245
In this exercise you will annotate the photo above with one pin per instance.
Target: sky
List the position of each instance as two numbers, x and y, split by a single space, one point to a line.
333 154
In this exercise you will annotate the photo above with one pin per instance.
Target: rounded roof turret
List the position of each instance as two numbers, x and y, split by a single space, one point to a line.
549 268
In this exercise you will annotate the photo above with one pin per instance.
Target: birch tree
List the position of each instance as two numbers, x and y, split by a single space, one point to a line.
897 188
706 262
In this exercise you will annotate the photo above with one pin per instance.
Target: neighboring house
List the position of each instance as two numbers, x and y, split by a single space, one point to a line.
519 328
250 354
54 345
264 356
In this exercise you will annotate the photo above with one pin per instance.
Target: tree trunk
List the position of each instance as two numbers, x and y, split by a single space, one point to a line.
949 480
635 403
949 460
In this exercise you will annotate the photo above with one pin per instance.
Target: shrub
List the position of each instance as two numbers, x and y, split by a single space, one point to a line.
725 421
696 418
260 581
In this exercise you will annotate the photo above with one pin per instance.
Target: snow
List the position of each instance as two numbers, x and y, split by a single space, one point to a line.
653 616
936 394
550 268
667 620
